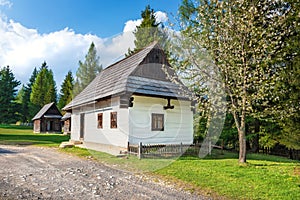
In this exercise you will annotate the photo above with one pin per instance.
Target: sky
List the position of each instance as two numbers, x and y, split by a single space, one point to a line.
61 31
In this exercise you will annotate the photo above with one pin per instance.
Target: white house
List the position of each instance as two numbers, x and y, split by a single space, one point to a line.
133 101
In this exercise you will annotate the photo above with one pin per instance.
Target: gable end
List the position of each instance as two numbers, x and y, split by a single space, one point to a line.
152 66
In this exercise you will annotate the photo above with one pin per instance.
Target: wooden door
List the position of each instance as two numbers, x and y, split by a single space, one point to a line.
82 126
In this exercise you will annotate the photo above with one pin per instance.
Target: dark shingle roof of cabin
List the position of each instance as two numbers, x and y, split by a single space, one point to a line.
130 75
44 110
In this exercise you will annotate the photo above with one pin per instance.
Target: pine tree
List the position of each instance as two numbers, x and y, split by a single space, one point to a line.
19 103
148 31
51 95
87 70
43 88
20 95
8 89
27 109
66 91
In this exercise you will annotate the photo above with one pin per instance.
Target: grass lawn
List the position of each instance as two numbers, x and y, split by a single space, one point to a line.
19 135
263 177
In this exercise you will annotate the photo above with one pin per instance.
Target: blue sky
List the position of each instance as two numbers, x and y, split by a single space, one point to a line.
60 31
101 17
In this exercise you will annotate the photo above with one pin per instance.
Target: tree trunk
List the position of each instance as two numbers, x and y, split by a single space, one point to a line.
240 124
242 146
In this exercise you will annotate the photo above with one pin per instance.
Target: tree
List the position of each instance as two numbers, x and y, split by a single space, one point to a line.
20 95
243 40
19 103
87 70
287 112
148 31
8 89
66 90
43 88
27 109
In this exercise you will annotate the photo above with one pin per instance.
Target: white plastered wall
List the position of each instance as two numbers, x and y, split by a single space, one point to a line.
106 135
178 125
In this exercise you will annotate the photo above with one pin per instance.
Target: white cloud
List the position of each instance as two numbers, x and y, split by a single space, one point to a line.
23 49
161 16
6 3
131 25
115 48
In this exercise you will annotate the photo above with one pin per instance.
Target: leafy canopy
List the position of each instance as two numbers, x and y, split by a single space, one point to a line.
243 41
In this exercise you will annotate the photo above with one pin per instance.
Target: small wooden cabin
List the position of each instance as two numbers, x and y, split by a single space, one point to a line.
47 119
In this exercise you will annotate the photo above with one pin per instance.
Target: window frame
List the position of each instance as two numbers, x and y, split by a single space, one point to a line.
98 121
155 118
113 120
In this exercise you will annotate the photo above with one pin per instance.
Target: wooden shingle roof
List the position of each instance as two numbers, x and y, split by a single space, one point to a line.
44 110
140 73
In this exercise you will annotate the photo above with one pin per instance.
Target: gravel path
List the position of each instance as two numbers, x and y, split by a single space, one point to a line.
44 173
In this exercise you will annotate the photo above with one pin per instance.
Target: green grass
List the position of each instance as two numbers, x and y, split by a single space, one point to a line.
263 177
18 135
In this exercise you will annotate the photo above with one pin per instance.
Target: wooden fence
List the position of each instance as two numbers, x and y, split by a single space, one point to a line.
165 150
176 150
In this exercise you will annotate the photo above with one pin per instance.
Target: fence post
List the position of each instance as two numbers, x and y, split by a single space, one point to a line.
128 149
140 150
181 148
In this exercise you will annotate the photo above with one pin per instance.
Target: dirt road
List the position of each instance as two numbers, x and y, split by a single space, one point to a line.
44 173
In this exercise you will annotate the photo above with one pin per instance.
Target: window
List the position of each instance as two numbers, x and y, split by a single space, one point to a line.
113 120
100 120
157 122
